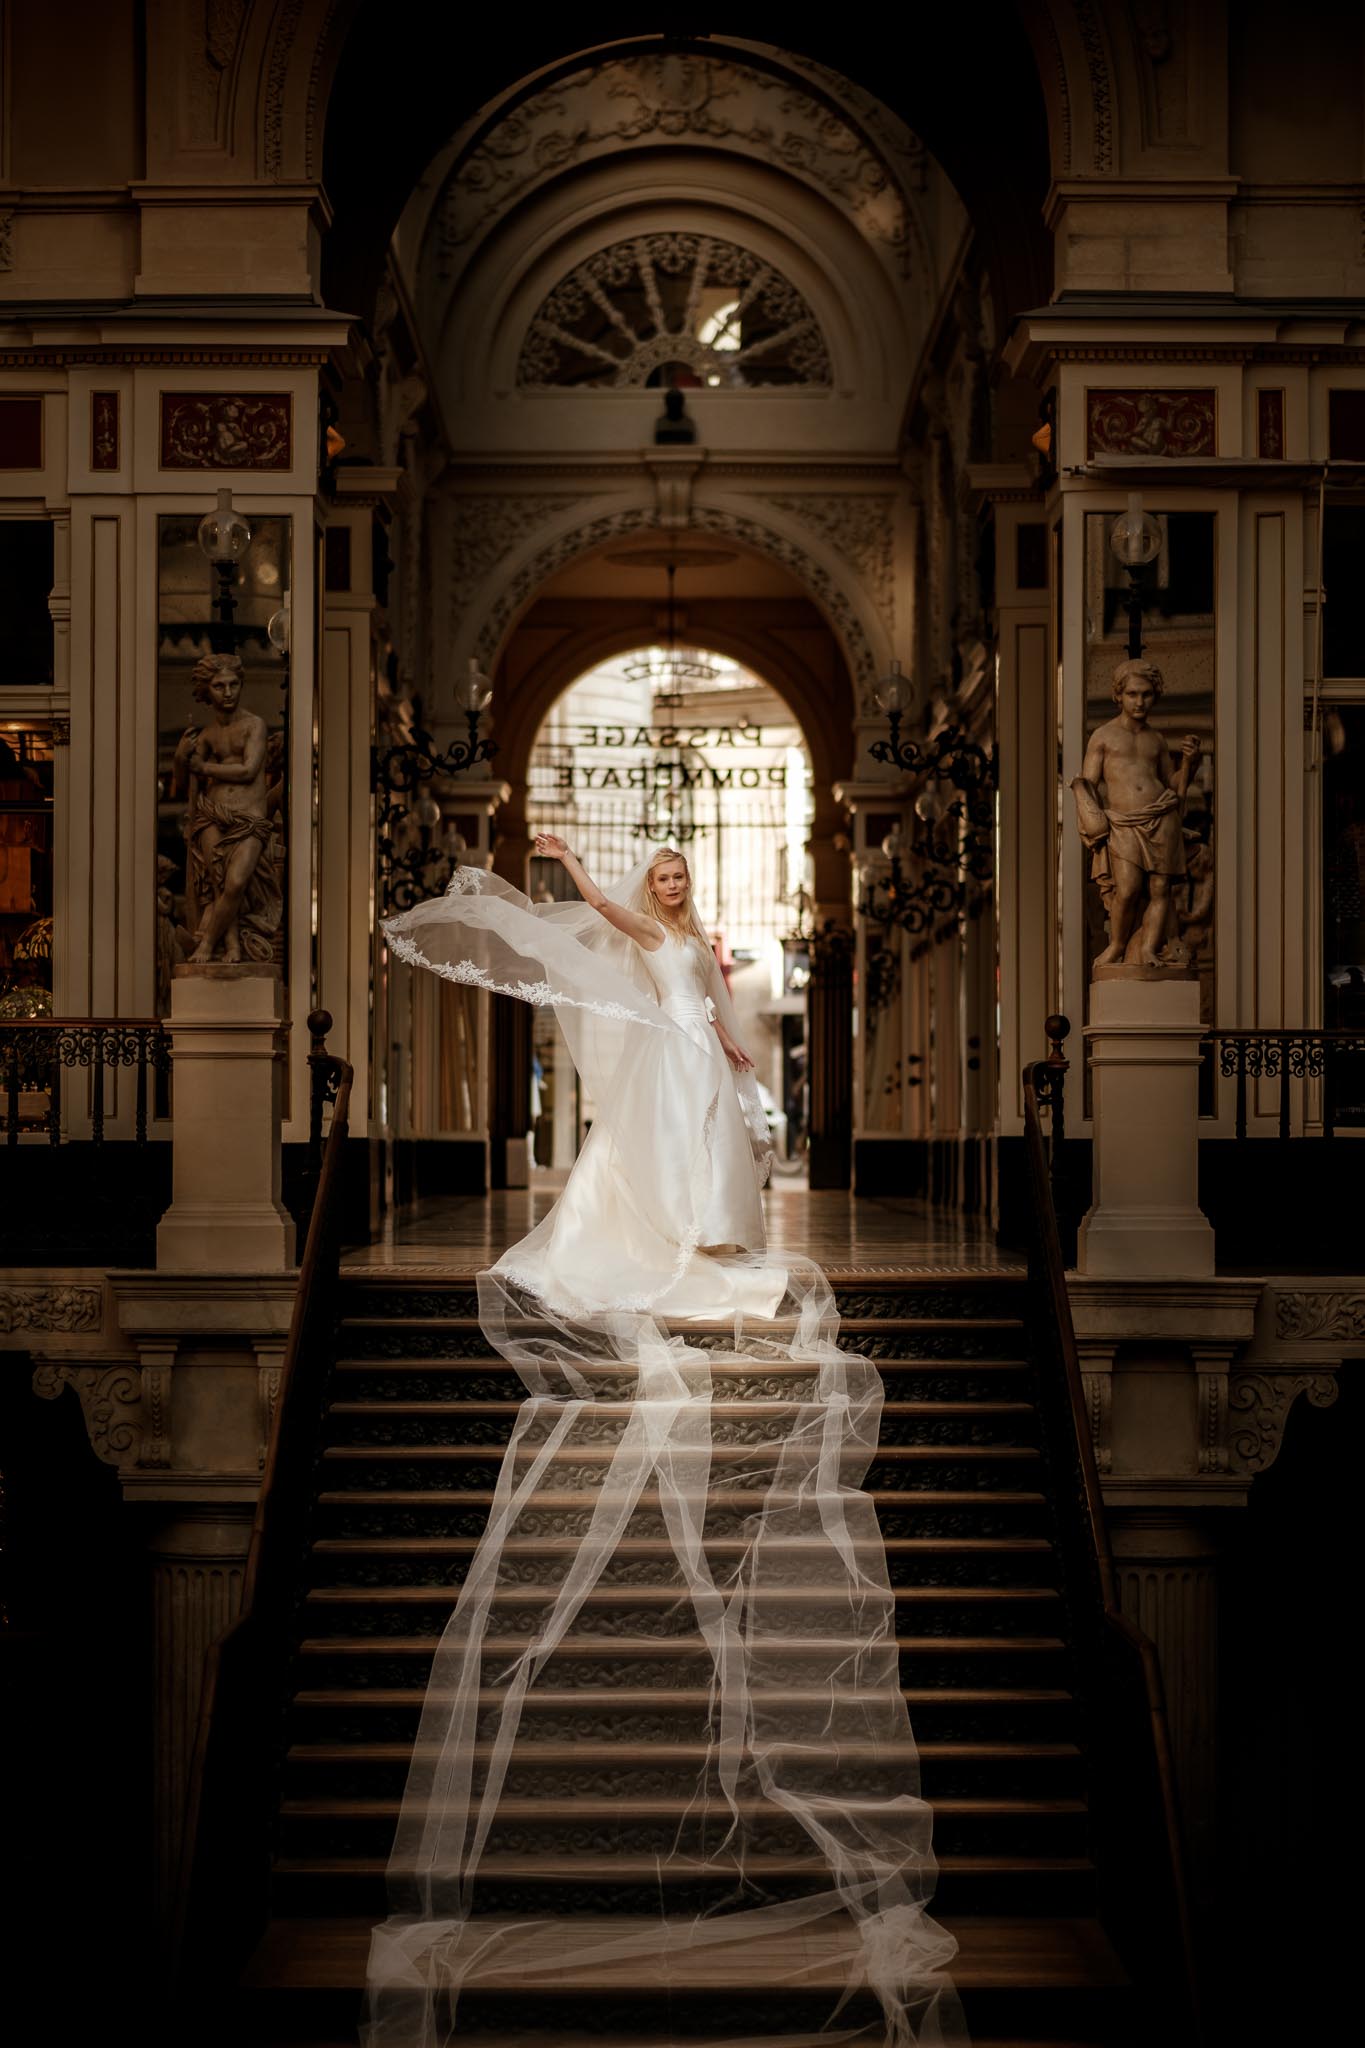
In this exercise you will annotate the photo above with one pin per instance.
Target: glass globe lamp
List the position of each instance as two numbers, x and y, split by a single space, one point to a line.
1135 537
473 691
224 535
895 692
929 806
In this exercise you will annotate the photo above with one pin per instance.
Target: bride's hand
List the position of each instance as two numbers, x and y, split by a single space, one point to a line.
549 847
738 1058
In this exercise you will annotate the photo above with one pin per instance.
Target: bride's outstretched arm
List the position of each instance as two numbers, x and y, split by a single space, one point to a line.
642 929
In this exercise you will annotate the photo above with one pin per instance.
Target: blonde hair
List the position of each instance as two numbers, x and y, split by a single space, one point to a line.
684 923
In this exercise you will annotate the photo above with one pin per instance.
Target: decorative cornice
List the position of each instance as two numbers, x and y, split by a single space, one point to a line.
46 357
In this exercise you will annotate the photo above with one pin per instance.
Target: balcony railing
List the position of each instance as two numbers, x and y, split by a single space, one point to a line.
1296 1057
37 1051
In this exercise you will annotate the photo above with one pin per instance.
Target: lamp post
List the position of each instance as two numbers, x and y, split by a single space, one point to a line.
893 899
970 771
1135 542
411 864
224 536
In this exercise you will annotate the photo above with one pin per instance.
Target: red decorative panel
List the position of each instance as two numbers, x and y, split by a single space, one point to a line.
226 430
21 433
1270 425
104 429
1151 423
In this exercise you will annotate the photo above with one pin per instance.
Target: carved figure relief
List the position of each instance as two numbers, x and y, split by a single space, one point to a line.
677 98
104 430
1270 425
226 430
233 892
1151 422
41 1306
1130 799
673 310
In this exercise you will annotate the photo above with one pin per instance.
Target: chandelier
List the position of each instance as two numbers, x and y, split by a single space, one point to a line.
670 670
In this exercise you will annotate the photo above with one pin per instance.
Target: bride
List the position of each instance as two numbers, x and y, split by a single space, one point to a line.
641 1313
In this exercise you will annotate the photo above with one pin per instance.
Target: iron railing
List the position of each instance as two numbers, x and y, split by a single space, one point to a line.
1139 1853
36 1051
234 1784
1287 1057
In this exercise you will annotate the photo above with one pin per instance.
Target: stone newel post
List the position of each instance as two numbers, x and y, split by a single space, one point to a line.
1145 1222
226 1215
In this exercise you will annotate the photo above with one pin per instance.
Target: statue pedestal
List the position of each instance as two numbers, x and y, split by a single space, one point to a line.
228 1074
1144 1047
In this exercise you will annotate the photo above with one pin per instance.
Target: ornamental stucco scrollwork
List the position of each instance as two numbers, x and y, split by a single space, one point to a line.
486 530
111 1402
67 1310
673 99
609 526
1327 1317
1258 1407
861 528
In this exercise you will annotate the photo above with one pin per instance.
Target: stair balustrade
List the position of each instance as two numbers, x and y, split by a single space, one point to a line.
1139 1852
1336 1059
234 1783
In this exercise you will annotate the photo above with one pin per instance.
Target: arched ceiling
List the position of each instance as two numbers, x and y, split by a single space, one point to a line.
963 80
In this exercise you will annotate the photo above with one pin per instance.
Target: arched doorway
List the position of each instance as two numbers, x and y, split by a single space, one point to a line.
670 745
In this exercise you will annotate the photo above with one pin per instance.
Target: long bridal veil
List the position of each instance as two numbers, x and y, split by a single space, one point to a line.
669 1691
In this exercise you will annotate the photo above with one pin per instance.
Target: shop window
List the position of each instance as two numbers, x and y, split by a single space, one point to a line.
1343 620
25 871
26 575
1343 893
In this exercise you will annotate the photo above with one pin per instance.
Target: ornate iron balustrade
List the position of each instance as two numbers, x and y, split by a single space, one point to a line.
1287 1057
35 1051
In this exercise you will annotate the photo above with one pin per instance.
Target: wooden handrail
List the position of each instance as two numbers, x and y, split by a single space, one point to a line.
1043 1085
225 1859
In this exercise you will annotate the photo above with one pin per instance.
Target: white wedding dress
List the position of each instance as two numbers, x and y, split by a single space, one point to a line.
634 1313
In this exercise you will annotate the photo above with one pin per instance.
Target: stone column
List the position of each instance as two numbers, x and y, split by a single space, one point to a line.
1167 1570
198 1559
1144 1034
226 1038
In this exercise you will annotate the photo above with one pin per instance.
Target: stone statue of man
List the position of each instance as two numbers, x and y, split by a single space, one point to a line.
232 875
1130 799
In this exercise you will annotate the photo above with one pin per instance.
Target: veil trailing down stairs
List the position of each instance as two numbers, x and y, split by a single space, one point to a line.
605 1654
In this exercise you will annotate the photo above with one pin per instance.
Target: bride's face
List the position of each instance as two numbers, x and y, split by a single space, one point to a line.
670 884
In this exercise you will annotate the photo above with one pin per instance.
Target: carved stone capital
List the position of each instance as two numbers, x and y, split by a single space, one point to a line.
1097 1375
158 1373
1211 1363
1259 1402
111 1402
269 1366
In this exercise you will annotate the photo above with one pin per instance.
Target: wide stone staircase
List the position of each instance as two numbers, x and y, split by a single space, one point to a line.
416 1419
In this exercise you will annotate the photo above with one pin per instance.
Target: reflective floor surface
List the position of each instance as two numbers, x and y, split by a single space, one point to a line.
844 1233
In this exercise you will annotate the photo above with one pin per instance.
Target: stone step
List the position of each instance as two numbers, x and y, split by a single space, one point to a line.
938 1335
576 1467
460 1424
444 1560
665 1612
436 1511
490 1379
630 1769
621 1826
1030 1884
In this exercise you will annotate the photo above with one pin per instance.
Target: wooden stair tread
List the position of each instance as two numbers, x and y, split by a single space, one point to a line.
1060 1954
648 1869
603 1454
658 1546
652 1806
531 1751
777 1326
654 1596
728 1410
655 1646
681 1696
721 1367
409 1497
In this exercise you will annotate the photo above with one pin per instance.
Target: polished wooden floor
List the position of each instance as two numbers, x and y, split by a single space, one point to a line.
847 1235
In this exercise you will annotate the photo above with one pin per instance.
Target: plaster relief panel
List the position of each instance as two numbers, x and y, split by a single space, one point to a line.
1151 422
226 430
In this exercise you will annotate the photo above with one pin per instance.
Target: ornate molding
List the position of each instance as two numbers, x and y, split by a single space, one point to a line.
1259 1403
1101 90
486 531
111 1402
1153 423
226 430
69 1309
272 113
6 238
1334 1317
682 100
608 526
861 528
